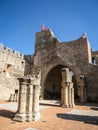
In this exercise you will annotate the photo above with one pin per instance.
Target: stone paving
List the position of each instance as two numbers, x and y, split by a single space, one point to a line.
13 106
53 117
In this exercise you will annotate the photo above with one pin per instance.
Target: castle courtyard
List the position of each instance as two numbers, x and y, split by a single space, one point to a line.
48 65
53 117
63 75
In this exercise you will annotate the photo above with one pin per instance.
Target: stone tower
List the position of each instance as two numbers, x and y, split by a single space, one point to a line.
51 56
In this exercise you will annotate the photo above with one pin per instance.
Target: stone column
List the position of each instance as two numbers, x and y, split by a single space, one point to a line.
22 97
64 96
66 104
21 113
64 90
72 97
28 107
67 92
36 113
29 102
69 96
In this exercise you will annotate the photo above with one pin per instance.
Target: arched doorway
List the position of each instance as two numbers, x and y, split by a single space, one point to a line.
52 88
59 85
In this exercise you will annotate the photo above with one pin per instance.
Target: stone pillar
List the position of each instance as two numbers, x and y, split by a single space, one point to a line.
69 96
22 97
21 113
67 91
64 96
29 103
36 113
73 102
28 107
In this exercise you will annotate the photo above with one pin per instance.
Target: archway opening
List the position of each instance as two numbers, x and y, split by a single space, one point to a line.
52 89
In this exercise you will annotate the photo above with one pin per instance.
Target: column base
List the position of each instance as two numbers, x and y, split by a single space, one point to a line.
26 117
72 105
29 117
19 117
36 116
64 106
67 106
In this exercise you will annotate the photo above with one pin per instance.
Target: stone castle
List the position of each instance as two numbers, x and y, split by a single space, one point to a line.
52 56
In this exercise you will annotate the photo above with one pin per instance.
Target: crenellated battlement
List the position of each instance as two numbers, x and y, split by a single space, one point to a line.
9 51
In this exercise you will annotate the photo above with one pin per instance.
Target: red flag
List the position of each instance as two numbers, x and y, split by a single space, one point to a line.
43 27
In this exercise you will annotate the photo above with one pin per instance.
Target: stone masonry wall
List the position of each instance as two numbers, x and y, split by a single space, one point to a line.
49 53
28 64
11 67
76 55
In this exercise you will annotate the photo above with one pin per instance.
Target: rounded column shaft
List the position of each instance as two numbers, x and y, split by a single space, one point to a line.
36 99
22 99
36 113
29 98
64 100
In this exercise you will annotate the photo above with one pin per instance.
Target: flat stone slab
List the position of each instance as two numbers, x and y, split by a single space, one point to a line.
32 129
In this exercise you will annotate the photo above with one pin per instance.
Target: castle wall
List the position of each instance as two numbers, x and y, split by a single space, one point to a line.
28 64
75 55
49 54
11 67
73 52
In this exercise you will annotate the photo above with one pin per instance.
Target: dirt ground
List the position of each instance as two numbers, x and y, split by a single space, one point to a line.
53 117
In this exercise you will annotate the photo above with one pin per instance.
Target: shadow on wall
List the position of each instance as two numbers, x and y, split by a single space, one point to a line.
82 118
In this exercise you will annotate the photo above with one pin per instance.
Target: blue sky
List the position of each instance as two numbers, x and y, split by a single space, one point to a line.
68 19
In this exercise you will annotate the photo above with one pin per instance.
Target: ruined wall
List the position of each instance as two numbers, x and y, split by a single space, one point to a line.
71 53
76 55
49 54
28 64
95 57
11 67
75 52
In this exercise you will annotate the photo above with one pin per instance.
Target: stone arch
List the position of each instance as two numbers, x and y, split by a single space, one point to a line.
58 85
52 84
